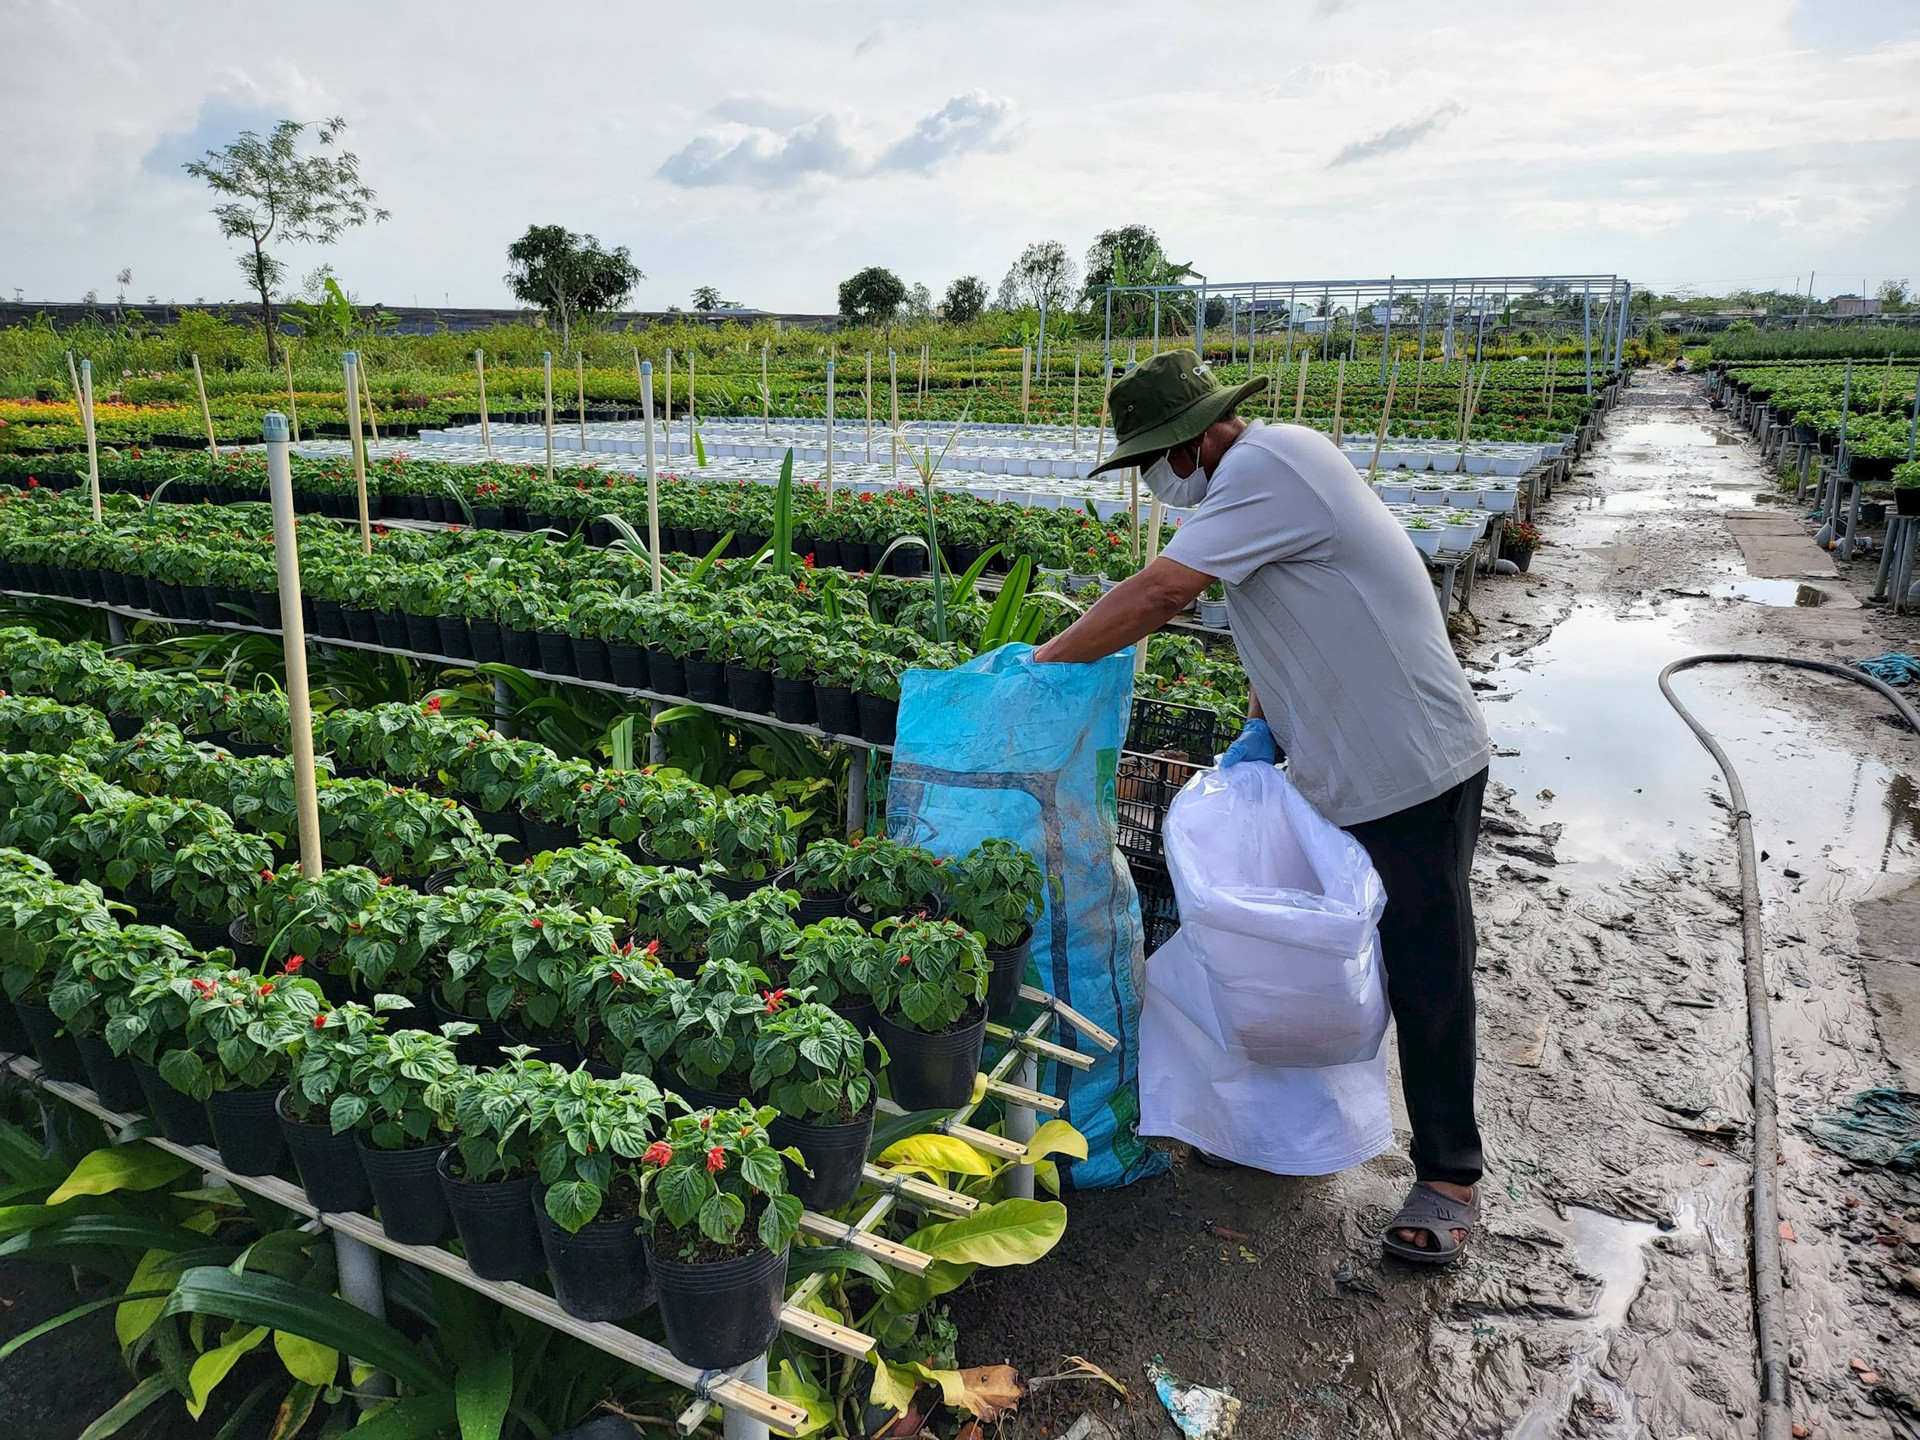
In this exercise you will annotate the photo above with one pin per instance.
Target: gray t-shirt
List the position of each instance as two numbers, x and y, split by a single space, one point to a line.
1337 625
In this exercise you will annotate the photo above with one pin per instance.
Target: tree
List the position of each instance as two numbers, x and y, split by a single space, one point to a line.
1044 273
919 303
1131 255
707 297
1893 294
568 275
273 190
966 298
873 297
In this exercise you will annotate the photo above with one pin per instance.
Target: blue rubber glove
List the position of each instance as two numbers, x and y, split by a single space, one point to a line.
1255 743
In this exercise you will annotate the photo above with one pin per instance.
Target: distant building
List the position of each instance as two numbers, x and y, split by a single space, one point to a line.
1857 305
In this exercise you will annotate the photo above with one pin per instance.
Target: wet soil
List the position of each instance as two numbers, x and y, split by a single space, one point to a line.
1607 1294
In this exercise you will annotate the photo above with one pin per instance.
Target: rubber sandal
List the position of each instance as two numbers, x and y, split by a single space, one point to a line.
1425 1208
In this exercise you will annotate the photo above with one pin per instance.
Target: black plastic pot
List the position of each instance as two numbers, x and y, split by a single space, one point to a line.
826 554
328 620
835 710
879 719
542 836
452 630
182 1119
704 683
482 1048
600 1271
749 690
740 889
1009 973
720 1315
1906 499
1873 514
360 625
328 1164
423 634
628 664
494 1219
932 1072
700 1097
667 674
556 652
249 952
391 627
1522 557
520 648
560 1050
59 1057
485 638
835 1154
818 907
406 1187
793 700
590 658
110 1076
246 1130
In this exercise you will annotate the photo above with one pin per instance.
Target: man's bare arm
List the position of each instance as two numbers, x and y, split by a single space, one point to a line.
1134 608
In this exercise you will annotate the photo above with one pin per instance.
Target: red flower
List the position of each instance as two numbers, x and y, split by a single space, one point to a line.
32 484
433 705
320 1022
774 999
537 923
294 962
716 1159
267 989
658 1153
618 978
267 875
386 880
905 960
653 947
204 987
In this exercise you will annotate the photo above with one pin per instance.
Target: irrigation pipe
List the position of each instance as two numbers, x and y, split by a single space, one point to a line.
1769 1305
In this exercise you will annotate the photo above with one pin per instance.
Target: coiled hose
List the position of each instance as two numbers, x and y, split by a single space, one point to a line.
1769 1304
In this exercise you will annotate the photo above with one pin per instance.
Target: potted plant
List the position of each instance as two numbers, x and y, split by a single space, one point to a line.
590 1138
811 1065
702 1029
930 993
891 879
671 912
94 980
515 967
1213 606
752 838
239 1035
325 1057
399 1104
677 812
1519 539
42 918
824 876
1906 488
716 1225
838 961
996 890
756 930
488 1172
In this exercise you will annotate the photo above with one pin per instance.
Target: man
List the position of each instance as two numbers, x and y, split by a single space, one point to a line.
1349 665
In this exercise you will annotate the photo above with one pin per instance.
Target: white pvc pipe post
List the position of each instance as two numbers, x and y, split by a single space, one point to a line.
856 792
868 396
1026 382
893 434
293 633
546 369
486 430
653 473
350 363
1154 512
1100 425
690 372
93 442
358 1273
580 389
206 415
1076 404
829 434
736 1424
766 396
293 405
1020 1118
666 408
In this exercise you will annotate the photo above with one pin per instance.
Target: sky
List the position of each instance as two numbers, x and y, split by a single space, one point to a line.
772 148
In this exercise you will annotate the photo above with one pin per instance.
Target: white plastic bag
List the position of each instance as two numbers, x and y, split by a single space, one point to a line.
1263 1015
1280 907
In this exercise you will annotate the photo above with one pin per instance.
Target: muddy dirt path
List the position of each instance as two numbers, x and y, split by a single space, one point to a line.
1608 1295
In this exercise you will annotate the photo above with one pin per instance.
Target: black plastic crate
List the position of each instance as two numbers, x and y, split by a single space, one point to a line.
1144 787
1161 725
1159 910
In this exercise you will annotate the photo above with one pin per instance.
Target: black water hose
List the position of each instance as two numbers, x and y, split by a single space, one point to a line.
1769 1304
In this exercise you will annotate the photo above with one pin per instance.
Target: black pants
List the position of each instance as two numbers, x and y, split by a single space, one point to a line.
1424 856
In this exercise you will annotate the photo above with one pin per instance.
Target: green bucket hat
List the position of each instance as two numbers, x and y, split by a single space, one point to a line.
1167 401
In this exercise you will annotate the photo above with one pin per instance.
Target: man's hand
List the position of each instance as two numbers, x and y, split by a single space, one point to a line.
1132 610
1255 744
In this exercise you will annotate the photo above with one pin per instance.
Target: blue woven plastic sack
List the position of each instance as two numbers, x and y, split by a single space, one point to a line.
1005 747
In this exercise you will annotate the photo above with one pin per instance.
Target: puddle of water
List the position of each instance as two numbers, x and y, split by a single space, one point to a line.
1678 432
1696 497
1630 783
1770 592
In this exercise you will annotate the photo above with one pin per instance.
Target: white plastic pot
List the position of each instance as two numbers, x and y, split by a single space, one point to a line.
1427 541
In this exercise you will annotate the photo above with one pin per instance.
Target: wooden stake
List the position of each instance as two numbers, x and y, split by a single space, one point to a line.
766 397
366 389
486 430
653 471
830 408
1133 509
1300 394
867 398
1026 383
93 439
546 372
293 406
893 387
580 373
1076 403
286 554
73 375
1380 436
1100 435
1339 396
1153 553
666 410
1460 405
206 415
351 363
690 359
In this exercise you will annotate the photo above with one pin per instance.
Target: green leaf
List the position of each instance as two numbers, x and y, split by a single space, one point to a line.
307 1360
420 1417
482 1392
1013 1232
938 1152
572 1203
805 1260
22 1160
721 1216
126 1167
136 1316
267 1300
787 1384
93 1231
211 1368
27 1337
887 1129
128 1408
1056 1137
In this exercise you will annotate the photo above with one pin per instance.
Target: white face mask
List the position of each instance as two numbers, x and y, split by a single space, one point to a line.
1181 494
